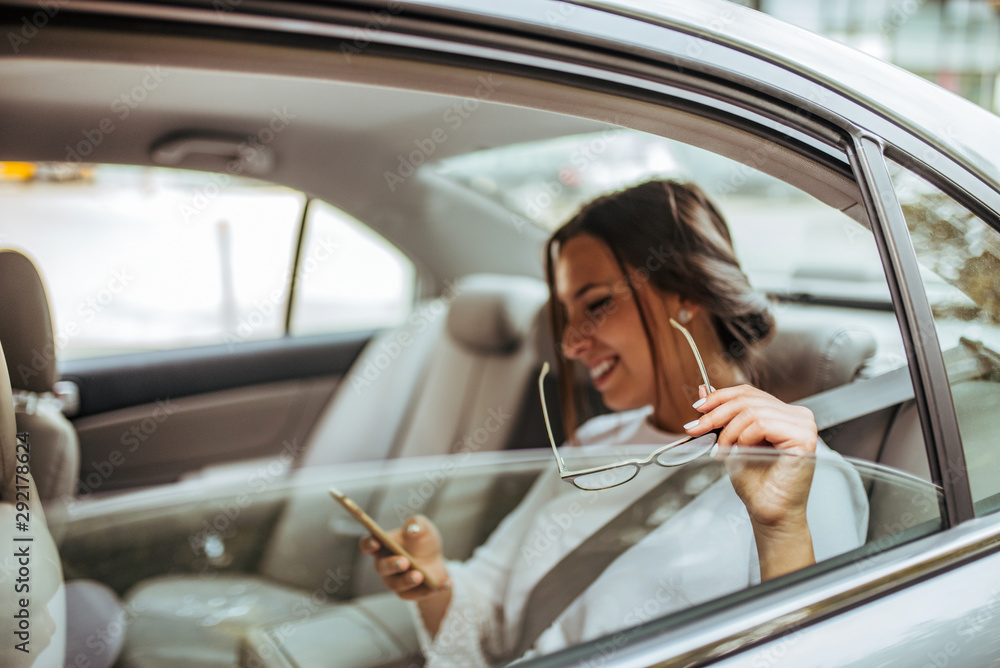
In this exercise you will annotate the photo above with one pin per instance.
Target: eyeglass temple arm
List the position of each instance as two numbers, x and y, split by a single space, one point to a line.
545 415
694 349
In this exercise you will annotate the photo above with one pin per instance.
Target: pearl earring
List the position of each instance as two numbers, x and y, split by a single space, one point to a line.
684 316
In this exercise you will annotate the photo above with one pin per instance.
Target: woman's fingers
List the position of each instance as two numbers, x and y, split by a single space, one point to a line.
387 566
369 545
748 416
420 538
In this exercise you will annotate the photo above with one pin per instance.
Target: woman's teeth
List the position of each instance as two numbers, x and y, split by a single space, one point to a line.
602 368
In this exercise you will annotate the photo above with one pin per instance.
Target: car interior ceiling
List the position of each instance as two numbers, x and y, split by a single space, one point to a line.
351 120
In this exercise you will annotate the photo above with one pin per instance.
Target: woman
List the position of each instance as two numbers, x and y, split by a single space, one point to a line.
619 272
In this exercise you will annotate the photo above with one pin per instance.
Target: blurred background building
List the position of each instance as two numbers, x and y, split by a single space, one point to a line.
954 43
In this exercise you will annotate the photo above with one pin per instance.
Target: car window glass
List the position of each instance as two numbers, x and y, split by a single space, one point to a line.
788 242
211 537
138 258
960 258
349 277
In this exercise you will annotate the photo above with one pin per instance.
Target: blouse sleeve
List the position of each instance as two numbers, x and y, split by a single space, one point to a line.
472 632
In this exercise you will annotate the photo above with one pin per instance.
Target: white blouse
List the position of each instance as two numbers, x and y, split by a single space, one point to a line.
706 550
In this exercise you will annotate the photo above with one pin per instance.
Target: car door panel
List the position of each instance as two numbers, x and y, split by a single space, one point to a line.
150 418
161 441
949 620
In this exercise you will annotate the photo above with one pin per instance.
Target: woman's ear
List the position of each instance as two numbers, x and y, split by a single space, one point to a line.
687 310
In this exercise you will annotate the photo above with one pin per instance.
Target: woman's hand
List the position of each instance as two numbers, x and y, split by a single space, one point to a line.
774 491
423 541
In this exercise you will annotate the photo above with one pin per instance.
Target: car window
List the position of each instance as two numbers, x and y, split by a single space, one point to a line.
204 539
349 277
960 257
789 243
138 259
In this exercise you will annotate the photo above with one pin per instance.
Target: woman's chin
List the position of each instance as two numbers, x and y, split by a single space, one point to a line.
617 402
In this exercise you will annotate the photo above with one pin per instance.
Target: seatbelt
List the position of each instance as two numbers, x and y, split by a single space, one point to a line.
558 588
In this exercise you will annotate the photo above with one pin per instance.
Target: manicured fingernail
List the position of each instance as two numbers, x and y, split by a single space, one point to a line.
412 528
447 585
397 564
691 425
703 390
714 451
373 544
412 578
699 403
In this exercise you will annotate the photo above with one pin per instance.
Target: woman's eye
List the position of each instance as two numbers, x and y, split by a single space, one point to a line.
595 306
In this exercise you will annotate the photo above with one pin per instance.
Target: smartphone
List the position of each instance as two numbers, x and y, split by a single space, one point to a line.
382 537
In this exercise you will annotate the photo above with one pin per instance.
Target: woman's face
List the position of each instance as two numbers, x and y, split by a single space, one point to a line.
603 327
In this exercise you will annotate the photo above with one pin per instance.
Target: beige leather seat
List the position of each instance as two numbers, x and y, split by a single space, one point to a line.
27 336
26 333
44 643
457 376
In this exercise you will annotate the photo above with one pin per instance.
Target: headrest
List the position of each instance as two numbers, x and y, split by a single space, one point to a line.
494 314
811 352
26 325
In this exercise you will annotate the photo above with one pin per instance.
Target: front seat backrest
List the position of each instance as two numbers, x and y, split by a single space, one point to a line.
44 646
27 335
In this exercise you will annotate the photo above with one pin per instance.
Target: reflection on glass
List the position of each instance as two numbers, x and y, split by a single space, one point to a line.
960 256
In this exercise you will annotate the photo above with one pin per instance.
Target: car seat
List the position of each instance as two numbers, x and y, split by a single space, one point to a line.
431 386
26 334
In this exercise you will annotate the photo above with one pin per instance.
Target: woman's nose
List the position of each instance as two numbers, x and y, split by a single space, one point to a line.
574 343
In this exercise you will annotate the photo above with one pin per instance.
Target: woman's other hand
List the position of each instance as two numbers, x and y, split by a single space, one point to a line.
423 541
774 491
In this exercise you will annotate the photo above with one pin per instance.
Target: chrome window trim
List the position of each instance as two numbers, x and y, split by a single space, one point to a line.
935 407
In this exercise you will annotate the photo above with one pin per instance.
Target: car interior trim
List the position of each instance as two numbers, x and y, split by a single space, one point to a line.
108 383
937 416
423 40
295 269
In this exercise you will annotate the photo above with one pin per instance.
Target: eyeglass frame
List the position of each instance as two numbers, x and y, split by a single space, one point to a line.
637 462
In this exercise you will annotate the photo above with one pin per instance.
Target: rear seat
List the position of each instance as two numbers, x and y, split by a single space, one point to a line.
456 377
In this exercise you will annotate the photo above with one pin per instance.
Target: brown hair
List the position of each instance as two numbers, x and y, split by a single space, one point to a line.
673 234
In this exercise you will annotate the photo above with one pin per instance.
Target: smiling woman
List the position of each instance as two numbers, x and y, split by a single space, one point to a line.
620 320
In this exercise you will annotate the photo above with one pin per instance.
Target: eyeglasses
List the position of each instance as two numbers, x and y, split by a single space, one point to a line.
681 451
